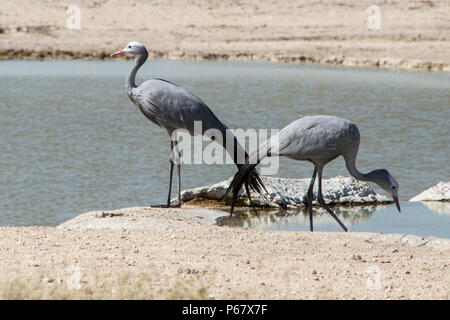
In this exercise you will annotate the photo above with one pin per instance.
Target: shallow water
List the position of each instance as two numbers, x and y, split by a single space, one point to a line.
418 218
71 141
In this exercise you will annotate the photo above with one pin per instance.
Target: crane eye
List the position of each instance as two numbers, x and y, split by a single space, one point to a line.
129 47
393 187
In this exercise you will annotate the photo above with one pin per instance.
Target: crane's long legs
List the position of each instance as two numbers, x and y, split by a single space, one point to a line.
173 159
247 189
250 198
310 198
323 204
171 174
179 175
170 179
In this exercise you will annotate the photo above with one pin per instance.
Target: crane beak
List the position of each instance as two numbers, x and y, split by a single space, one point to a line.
397 203
118 52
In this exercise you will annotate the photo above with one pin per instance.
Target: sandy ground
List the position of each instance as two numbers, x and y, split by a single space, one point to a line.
138 253
412 34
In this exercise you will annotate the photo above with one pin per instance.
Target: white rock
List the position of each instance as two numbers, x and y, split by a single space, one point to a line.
291 193
440 192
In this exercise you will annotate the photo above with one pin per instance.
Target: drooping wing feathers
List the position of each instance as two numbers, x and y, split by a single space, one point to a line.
247 174
173 107
241 177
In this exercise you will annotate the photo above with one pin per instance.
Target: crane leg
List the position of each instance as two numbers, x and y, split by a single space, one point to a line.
171 174
310 198
170 180
233 202
172 163
250 198
247 189
179 175
324 205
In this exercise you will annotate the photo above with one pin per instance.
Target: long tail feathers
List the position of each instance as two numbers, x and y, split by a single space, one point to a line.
247 175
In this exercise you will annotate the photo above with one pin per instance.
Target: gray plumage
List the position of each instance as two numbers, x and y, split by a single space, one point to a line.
317 139
172 107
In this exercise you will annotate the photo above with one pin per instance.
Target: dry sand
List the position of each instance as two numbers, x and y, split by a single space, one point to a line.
141 253
414 34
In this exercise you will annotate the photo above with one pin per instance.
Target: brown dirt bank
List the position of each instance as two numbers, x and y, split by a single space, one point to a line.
413 34
138 253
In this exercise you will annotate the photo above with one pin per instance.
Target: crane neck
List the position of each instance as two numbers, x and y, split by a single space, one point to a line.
351 167
139 60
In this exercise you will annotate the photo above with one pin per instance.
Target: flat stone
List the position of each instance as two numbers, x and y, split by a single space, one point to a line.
439 192
144 218
291 193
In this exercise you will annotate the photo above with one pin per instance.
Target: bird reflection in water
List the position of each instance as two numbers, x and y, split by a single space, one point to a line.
297 219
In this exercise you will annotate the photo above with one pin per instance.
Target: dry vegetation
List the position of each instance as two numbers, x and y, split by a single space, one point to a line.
119 286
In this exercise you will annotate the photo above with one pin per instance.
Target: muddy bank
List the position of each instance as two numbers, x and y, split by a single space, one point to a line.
388 63
335 32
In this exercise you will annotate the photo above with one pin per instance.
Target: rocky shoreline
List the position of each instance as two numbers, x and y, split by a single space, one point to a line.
291 193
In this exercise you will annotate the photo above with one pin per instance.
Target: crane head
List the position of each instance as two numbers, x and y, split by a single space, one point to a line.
383 178
134 48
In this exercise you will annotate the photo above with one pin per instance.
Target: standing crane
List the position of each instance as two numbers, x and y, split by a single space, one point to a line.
172 107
